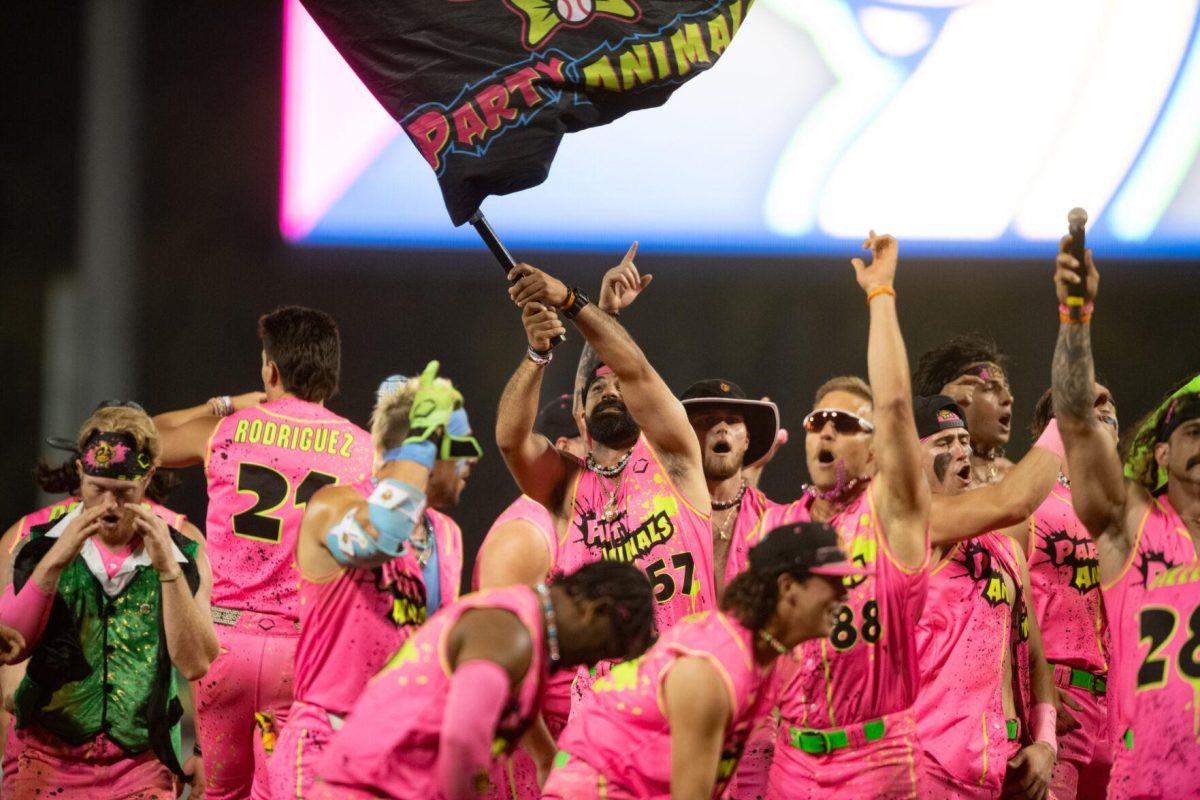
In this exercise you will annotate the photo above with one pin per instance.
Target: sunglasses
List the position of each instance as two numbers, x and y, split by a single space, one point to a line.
843 421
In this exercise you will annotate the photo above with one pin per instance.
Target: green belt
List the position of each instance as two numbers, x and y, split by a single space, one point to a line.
1095 684
818 742
1014 729
1128 737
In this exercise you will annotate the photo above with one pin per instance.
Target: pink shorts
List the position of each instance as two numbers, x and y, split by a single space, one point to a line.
292 767
1084 755
243 702
886 769
48 768
578 780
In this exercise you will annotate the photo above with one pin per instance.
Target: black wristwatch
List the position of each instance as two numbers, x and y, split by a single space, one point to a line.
578 301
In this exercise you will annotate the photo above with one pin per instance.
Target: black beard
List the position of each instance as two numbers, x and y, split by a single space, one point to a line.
613 430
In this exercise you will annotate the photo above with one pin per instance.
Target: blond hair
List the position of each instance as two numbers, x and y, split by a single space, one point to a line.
123 419
844 383
393 401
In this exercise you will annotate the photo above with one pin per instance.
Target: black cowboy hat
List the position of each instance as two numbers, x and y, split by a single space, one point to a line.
762 416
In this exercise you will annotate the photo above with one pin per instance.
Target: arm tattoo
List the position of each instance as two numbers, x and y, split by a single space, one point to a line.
1072 375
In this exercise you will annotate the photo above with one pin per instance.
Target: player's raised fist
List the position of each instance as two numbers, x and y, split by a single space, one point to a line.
531 284
542 325
1066 273
881 272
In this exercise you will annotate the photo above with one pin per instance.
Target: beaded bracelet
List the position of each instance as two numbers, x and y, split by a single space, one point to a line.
539 357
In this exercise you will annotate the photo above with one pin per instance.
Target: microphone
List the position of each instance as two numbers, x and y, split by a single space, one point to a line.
507 262
1076 220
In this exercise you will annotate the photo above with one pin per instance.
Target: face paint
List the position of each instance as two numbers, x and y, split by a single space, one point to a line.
941 465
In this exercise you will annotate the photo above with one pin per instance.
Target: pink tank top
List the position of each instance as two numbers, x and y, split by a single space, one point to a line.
974 615
1161 542
389 744
747 531
621 730
58 510
867 668
351 622
527 510
1163 711
654 528
1064 577
556 705
263 465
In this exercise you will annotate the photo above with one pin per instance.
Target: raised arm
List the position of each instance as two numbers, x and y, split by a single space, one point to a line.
902 491
184 434
1014 499
1098 487
657 411
541 470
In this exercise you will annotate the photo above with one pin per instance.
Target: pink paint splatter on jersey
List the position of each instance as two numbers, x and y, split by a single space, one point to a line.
389 744
974 617
867 668
1064 577
621 729
263 465
654 528
1161 542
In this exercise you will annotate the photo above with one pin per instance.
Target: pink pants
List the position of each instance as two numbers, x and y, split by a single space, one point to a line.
242 702
48 768
886 769
292 767
1084 755
578 780
324 791
754 768
938 784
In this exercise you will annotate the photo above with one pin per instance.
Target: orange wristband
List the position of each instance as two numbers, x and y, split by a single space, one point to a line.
570 300
878 290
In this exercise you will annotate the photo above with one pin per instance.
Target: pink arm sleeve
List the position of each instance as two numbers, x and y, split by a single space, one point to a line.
478 692
26 611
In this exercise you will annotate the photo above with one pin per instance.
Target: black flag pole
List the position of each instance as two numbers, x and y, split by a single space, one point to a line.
503 257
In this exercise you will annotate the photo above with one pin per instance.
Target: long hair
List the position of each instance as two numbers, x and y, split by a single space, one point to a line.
624 592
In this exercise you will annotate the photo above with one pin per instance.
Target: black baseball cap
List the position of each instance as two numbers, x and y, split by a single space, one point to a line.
802 549
762 416
556 420
936 413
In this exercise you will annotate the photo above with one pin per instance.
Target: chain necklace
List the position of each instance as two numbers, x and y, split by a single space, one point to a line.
610 505
718 505
1064 481
775 643
551 623
423 550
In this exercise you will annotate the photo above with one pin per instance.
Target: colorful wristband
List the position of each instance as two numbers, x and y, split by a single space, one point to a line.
1085 314
1043 720
880 290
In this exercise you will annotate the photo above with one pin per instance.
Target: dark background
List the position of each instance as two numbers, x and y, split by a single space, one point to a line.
211 260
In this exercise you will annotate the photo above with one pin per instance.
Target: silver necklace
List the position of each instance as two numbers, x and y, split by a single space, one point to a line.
551 623
610 504
1064 481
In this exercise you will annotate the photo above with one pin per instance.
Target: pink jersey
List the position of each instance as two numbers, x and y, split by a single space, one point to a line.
1161 542
528 510
1064 578
747 531
974 617
621 729
351 622
867 668
389 744
654 527
557 702
263 464
58 510
1164 712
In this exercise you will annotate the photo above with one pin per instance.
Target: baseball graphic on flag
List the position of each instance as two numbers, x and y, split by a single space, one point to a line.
574 10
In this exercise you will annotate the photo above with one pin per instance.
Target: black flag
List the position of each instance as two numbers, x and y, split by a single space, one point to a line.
486 88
